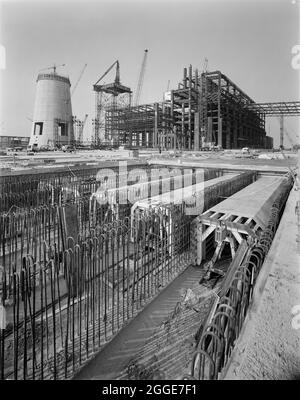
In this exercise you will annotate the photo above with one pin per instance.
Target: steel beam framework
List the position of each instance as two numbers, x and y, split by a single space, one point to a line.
147 125
206 110
287 108
112 96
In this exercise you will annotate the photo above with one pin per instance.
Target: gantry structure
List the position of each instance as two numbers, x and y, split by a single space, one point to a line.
279 109
110 97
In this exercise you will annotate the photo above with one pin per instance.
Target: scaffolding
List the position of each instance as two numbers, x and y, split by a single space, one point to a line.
147 125
112 98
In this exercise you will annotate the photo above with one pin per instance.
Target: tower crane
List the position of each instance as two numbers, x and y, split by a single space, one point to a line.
141 79
76 84
80 76
117 78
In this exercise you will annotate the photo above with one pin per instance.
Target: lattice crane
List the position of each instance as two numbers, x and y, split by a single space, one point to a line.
80 76
117 78
141 79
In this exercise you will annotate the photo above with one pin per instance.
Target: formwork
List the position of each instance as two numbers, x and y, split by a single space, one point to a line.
219 333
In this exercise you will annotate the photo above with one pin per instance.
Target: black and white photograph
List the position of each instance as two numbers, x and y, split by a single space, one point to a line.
149 194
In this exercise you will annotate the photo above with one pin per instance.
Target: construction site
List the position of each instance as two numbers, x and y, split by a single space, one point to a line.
163 244
207 111
151 266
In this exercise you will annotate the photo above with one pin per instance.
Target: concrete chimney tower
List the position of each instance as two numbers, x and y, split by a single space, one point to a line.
52 118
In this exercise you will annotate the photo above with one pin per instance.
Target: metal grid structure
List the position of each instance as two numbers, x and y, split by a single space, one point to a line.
232 125
185 101
206 110
147 125
279 109
113 97
210 110
283 108
70 283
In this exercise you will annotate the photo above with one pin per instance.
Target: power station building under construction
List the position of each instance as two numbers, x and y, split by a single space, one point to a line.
206 110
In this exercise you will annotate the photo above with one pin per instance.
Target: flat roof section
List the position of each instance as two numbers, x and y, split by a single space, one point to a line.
178 195
253 202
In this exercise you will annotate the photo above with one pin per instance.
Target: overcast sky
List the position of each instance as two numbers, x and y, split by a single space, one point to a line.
249 41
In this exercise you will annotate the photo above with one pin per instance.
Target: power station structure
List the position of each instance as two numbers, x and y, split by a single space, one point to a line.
206 110
52 119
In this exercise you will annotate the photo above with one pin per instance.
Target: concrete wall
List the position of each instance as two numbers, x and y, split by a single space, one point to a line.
52 109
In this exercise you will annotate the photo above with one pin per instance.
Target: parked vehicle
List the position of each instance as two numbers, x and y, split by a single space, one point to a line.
245 150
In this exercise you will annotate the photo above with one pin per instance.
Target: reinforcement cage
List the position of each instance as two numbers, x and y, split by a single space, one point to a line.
62 297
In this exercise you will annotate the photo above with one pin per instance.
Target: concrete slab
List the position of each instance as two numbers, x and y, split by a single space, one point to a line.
264 166
179 195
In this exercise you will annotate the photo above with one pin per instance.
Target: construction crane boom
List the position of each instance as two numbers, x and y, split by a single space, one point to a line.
117 79
85 118
141 79
205 65
80 76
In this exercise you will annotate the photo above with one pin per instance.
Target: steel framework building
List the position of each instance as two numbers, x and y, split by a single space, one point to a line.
145 125
206 110
211 110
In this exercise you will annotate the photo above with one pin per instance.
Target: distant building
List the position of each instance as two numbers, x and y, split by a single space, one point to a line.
13 142
52 118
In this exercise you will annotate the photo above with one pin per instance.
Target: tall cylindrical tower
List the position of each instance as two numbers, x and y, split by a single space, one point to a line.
52 118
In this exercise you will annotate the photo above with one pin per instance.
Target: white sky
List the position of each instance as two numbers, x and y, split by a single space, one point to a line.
250 41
